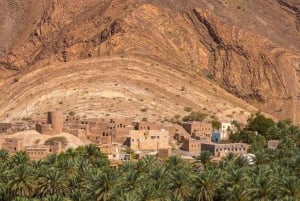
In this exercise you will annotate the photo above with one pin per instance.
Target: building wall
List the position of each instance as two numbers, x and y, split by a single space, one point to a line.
164 153
216 137
4 127
113 151
38 152
147 126
220 150
199 130
149 139
55 148
12 145
191 145
55 119
225 127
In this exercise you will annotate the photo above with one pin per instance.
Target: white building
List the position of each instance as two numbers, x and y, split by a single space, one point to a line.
226 130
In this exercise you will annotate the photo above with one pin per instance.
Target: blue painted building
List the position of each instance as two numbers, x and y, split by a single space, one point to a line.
216 137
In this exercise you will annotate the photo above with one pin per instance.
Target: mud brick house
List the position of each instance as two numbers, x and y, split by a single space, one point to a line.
53 126
149 140
12 145
191 145
199 130
4 127
220 150
147 126
39 152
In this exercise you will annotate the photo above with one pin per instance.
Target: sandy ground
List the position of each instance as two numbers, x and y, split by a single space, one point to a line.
32 137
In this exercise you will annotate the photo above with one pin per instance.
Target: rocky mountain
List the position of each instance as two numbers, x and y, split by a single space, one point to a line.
150 57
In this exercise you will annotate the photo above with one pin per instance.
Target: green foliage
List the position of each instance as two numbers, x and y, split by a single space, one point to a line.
195 116
260 123
187 109
85 174
72 113
216 124
62 139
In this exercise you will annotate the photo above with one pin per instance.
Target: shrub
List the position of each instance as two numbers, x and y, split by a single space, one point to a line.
195 116
187 109
72 113
216 124
51 141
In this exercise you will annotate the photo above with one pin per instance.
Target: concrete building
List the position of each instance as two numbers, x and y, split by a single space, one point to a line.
12 145
226 130
147 140
199 130
220 150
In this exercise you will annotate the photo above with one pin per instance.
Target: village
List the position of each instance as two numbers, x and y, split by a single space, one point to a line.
122 139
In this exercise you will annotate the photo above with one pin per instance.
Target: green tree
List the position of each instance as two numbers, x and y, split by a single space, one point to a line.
260 123
21 180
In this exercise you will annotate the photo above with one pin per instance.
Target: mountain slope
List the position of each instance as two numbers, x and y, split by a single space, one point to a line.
250 49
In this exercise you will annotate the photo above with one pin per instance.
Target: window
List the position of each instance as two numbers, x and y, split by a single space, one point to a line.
152 137
132 140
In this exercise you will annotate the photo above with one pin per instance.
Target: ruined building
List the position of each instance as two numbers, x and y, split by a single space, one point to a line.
54 124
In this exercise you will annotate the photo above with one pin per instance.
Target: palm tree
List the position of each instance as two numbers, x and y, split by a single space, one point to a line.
290 187
19 158
37 164
158 177
261 157
241 161
236 193
21 180
180 183
52 182
205 186
4 193
79 195
147 193
67 166
148 162
130 181
4 156
175 163
55 197
261 188
205 158
102 185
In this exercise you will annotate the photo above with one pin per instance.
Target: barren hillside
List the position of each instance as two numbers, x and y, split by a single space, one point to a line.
150 58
